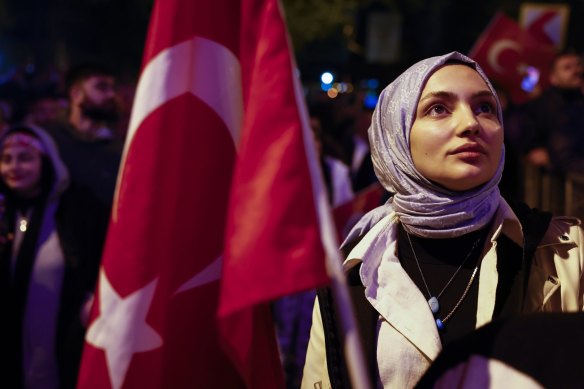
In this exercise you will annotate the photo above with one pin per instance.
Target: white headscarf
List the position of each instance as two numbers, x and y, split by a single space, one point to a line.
425 208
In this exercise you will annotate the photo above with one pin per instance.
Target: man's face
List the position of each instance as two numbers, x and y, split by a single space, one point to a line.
567 72
97 98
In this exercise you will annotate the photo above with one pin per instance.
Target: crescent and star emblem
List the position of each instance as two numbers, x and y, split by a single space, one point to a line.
496 51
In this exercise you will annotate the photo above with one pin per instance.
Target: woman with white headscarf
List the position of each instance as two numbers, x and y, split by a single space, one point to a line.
446 254
51 237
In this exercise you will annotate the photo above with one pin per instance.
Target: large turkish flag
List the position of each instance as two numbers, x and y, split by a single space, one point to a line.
218 128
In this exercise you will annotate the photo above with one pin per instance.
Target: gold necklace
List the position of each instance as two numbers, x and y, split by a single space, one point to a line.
433 302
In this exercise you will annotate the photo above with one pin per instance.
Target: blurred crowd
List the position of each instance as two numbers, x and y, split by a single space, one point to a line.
544 138
61 139
60 150
42 97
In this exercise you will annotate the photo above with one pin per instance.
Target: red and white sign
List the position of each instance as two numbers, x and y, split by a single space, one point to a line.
545 22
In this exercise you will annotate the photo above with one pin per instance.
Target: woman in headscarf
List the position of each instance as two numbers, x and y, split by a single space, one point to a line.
446 254
50 249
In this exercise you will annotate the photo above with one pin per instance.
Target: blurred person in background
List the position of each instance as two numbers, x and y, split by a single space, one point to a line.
88 145
362 172
45 110
553 130
51 242
337 175
555 118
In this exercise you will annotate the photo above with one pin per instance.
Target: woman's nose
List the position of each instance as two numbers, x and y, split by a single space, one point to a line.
468 123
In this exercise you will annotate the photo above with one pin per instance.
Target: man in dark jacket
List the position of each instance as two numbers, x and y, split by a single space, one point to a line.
553 127
87 143
555 124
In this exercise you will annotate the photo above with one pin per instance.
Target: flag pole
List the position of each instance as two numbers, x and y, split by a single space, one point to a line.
353 348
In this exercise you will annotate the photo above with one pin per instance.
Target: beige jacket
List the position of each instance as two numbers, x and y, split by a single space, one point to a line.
406 323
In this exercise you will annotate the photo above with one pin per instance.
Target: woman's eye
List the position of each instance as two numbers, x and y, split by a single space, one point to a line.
437 109
486 108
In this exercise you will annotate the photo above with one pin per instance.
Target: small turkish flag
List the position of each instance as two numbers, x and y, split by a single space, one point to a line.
513 58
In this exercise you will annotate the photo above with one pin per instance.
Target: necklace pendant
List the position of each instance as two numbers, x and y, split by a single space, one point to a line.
439 324
434 305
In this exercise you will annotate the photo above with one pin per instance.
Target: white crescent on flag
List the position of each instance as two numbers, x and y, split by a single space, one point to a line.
199 66
496 50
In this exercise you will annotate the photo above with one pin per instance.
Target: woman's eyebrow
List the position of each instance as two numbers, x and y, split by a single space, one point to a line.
483 93
438 94
452 96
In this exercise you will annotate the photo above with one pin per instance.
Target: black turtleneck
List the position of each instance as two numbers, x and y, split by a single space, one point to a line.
439 259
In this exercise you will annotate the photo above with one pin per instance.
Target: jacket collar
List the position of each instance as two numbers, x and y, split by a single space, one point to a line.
390 290
506 222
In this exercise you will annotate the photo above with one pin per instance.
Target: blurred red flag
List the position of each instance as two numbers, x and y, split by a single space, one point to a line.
214 72
273 240
513 58
348 214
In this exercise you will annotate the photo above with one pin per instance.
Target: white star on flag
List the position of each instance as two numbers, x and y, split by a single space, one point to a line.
121 329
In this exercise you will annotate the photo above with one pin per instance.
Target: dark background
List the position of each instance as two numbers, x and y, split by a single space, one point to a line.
41 37
428 28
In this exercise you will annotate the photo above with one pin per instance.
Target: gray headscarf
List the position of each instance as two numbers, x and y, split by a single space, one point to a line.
425 208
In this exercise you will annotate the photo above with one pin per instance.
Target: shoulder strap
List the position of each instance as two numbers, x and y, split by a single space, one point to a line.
366 317
535 224
337 370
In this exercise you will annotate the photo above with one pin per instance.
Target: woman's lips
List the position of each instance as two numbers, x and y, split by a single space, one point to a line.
469 150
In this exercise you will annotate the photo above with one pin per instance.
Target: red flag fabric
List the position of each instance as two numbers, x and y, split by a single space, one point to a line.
213 72
273 240
511 56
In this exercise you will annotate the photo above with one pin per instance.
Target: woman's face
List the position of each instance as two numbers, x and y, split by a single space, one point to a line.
456 140
20 168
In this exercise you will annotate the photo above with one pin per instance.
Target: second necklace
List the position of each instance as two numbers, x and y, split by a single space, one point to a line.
433 301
